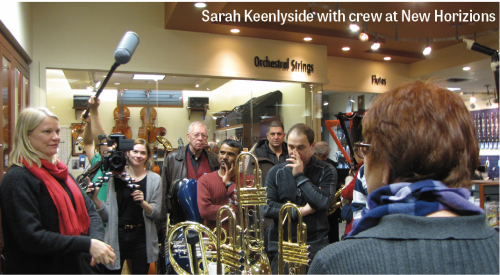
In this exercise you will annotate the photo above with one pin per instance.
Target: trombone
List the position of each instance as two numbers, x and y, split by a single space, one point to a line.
297 255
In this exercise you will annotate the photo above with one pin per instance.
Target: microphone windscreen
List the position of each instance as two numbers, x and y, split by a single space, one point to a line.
101 137
126 48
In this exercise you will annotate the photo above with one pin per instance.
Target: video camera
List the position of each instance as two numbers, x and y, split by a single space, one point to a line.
116 160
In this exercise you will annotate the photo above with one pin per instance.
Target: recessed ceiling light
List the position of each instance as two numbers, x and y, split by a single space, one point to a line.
354 27
235 30
454 89
466 68
200 5
208 89
346 48
117 83
197 85
387 58
148 77
375 46
307 39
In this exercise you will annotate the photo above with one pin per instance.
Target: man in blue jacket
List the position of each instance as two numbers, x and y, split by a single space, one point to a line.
305 181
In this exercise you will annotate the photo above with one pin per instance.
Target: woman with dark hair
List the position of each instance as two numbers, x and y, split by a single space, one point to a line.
421 151
131 212
49 225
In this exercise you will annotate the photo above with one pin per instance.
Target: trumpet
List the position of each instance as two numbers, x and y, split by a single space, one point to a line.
297 255
229 254
249 201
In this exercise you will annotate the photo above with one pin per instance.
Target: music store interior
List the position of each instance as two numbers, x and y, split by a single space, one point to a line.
190 67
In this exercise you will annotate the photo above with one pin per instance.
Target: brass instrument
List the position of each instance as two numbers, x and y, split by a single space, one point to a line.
297 255
249 201
229 254
337 203
203 245
166 144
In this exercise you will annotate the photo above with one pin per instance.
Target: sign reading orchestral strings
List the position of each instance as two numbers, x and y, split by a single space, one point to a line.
279 64
338 16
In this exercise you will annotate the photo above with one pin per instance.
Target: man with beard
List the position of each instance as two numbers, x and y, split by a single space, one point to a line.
218 188
191 161
274 147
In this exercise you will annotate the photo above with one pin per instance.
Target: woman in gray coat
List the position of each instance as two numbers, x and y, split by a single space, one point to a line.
131 211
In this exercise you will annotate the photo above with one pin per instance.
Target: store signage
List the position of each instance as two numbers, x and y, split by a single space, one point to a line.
378 81
295 65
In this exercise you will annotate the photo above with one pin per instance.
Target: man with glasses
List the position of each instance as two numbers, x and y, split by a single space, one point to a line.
191 161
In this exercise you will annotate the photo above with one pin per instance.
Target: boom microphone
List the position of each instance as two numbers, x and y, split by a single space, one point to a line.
471 45
126 47
123 53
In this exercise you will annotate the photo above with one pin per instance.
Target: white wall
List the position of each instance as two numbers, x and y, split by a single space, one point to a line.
85 35
17 17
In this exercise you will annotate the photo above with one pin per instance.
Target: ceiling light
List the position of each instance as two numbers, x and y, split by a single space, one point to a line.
376 45
307 39
235 30
117 83
325 103
354 27
345 49
387 58
454 89
427 49
472 99
208 89
197 85
472 106
97 84
214 117
200 5
148 77
466 68
363 36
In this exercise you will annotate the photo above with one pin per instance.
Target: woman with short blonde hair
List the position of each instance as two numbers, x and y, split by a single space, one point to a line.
46 218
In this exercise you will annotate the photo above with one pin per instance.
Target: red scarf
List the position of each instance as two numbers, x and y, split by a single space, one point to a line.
71 223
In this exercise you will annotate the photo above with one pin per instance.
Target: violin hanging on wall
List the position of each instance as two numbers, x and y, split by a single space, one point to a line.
121 115
148 115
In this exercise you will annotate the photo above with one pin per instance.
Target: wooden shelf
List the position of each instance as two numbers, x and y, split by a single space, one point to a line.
229 128
197 109
482 184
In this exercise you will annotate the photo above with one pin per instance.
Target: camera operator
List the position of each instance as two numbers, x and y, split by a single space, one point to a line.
91 140
132 209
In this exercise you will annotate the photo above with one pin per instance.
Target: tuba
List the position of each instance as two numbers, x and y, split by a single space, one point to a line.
249 201
297 255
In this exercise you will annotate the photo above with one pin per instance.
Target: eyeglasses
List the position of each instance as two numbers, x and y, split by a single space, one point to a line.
362 148
197 135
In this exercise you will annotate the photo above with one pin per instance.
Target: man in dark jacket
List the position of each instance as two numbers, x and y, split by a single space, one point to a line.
191 161
305 181
274 147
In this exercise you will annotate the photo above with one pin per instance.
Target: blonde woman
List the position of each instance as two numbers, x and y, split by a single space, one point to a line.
131 212
49 225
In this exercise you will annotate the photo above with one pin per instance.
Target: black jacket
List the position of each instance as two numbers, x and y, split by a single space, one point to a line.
175 167
316 185
30 224
262 150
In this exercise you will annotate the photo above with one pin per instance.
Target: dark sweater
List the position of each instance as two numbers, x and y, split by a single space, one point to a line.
262 150
403 244
316 185
33 243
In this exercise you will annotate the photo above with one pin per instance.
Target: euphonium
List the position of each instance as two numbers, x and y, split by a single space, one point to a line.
203 246
249 201
297 255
